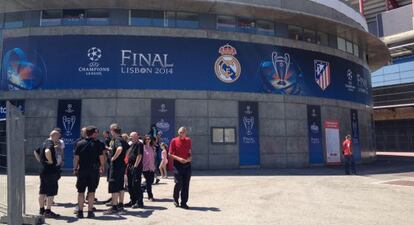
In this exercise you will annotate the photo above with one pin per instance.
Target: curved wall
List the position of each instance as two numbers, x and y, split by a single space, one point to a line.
64 59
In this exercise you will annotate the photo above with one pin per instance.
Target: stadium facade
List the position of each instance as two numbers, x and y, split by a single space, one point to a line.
258 83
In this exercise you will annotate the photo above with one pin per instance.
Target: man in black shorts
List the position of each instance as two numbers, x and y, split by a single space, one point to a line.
88 166
117 170
49 175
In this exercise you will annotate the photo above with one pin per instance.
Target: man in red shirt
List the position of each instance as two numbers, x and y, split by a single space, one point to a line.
348 157
180 151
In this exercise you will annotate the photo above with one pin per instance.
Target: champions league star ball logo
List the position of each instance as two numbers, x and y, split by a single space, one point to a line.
281 75
94 54
227 67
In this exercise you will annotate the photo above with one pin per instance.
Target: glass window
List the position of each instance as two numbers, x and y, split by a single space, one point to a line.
229 135
226 23
13 20
295 32
169 19
246 25
265 27
218 134
158 19
51 18
349 47
97 17
187 20
356 50
141 17
309 35
341 44
73 16
223 135
322 38
407 66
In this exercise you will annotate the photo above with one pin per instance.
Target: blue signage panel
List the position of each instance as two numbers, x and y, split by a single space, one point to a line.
141 62
3 110
316 155
356 149
249 144
69 121
163 116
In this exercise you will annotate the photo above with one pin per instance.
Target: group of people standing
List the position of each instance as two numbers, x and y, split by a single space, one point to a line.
127 156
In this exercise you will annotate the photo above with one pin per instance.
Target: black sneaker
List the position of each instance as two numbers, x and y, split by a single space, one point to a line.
136 206
157 181
79 214
176 204
111 211
121 209
184 206
91 215
41 211
128 205
50 214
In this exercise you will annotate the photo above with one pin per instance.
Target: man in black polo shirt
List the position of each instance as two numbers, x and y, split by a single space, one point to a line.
117 169
134 172
88 165
49 175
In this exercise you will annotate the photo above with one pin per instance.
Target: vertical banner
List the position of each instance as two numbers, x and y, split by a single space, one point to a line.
315 135
3 109
163 116
356 149
333 146
69 121
249 145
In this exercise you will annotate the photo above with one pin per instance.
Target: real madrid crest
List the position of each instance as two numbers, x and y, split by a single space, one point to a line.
227 67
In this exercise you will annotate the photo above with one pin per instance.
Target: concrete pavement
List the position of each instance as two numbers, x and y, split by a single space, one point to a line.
285 196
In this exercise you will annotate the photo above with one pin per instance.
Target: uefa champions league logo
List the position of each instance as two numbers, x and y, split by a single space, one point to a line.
349 84
94 54
248 122
163 108
68 123
281 65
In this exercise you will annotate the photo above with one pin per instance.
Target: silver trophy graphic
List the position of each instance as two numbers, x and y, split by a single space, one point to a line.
281 66
248 124
68 123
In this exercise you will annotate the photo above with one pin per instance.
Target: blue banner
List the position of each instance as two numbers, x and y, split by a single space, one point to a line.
249 144
3 110
69 121
163 116
356 150
316 155
141 62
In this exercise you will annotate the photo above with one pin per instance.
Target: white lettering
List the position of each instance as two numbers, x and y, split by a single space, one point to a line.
125 57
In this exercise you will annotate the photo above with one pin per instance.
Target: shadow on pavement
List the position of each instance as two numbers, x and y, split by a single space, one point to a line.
66 205
205 209
163 200
109 217
142 214
68 219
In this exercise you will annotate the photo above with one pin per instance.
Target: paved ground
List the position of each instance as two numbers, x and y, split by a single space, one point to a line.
286 196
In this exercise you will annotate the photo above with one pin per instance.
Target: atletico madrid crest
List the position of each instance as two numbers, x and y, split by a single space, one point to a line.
322 73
